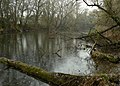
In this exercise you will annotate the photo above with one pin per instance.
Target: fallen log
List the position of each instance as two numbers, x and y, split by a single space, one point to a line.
60 79
103 56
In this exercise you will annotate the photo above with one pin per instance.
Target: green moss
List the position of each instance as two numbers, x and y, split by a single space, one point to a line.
60 79
103 56
113 59
105 76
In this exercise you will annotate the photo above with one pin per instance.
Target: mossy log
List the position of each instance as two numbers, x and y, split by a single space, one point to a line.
104 56
60 79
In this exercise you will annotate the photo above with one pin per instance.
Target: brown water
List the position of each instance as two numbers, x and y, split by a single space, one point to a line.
58 54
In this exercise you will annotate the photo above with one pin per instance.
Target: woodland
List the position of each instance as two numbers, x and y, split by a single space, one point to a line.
99 26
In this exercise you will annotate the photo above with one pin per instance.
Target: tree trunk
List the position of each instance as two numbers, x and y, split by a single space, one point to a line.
60 79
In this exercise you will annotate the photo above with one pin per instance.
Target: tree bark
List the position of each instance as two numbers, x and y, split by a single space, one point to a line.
60 79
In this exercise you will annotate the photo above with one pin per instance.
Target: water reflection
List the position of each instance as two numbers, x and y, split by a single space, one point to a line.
36 48
75 64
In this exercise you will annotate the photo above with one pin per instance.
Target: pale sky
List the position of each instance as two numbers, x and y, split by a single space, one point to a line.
84 6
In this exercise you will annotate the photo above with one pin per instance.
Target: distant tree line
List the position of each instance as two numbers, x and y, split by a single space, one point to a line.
54 15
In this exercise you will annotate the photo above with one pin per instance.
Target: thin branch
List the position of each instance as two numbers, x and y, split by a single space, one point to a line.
115 18
109 29
108 40
101 32
96 6
57 53
93 47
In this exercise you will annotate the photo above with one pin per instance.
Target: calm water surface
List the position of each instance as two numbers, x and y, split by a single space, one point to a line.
58 54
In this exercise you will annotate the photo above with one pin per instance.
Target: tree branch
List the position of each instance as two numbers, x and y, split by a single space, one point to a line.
60 79
108 29
96 6
116 19
101 32
107 39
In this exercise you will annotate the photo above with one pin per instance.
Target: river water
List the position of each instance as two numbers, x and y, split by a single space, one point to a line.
53 54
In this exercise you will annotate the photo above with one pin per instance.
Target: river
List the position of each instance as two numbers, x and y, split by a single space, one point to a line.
54 54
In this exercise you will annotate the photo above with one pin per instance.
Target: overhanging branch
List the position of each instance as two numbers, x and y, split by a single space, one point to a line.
115 18
101 32
96 6
109 28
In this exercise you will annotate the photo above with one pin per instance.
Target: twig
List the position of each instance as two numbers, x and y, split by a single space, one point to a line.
68 82
101 32
109 29
57 53
96 6
115 18
108 40
93 47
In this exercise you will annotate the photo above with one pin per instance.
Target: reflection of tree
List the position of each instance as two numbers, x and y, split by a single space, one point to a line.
13 78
